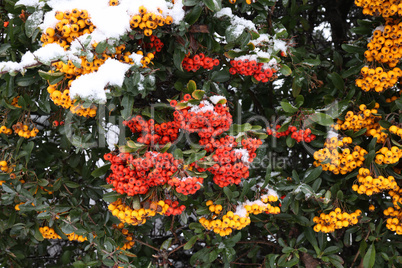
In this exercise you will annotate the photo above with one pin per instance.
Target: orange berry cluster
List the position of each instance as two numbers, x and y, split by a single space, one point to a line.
388 156
206 119
364 118
327 223
136 175
394 213
25 131
380 7
378 79
151 133
128 243
75 237
129 215
229 222
385 43
298 135
72 24
5 167
393 129
337 158
393 98
14 102
149 21
252 68
198 61
369 184
247 1
48 233
5 130
240 218
186 185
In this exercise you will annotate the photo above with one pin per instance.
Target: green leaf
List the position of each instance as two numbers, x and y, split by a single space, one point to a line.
321 118
221 75
285 70
191 86
101 47
192 16
337 80
71 184
100 171
111 197
190 242
213 5
228 193
312 174
33 22
289 108
178 56
196 156
198 94
369 258
128 103
167 243
353 49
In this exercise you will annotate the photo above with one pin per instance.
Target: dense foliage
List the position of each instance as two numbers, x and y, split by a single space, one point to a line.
202 133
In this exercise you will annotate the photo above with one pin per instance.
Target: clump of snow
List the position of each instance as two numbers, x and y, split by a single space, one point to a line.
332 134
177 12
244 155
241 211
45 55
272 192
92 86
112 135
136 58
207 107
216 98
31 3
238 24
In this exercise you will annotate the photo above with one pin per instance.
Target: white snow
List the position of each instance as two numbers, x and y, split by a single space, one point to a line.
31 3
207 107
215 99
92 86
244 155
238 24
112 135
136 58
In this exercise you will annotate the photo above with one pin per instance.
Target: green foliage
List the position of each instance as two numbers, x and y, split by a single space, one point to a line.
58 179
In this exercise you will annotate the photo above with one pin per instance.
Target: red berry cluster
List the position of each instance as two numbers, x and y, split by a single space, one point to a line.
155 43
136 175
206 119
232 164
198 61
298 135
57 123
252 68
152 133
186 185
174 208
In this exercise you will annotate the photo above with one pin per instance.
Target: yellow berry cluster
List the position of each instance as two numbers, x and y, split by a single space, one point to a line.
240 218
75 237
365 118
393 98
380 7
370 184
227 224
247 1
127 214
5 130
48 233
25 131
129 243
394 223
378 79
63 99
384 45
337 158
396 130
388 156
5 167
327 223
14 102
72 24
149 21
